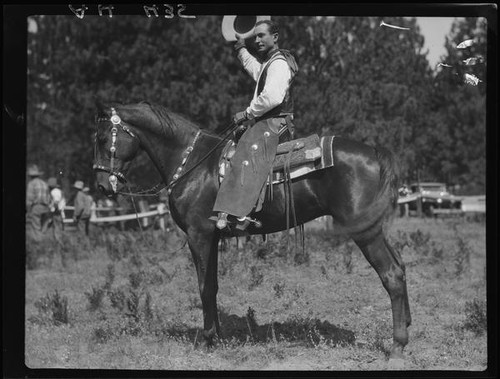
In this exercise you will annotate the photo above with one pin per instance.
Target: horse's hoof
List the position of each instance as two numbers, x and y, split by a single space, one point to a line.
396 364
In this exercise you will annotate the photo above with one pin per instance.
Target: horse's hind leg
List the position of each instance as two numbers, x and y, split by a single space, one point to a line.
204 249
391 270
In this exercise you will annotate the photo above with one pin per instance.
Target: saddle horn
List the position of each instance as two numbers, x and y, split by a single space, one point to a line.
244 25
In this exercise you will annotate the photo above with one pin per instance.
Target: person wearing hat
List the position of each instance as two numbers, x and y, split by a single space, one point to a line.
268 115
57 204
83 208
93 205
37 202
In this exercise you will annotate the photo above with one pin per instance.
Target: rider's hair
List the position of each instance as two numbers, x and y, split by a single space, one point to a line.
272 26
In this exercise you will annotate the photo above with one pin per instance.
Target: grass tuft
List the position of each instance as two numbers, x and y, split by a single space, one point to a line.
475 317
52 308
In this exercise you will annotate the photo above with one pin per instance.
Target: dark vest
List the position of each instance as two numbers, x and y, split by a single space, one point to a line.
286 107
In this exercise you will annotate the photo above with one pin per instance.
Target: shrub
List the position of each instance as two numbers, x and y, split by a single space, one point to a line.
475 316
110 276
132 303
102 335
402 241
279 289
437 253
53 308
117 246
95 298
251 322
462 256
301 256
420 239
136 279
347 257
117 299
256 277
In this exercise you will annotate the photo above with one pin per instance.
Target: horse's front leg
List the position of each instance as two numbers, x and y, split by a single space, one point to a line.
204 249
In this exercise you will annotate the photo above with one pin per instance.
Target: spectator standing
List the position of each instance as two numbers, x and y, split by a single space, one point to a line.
93 205
57 205
37 203
83 208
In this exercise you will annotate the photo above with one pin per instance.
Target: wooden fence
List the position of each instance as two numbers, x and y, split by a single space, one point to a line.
159 210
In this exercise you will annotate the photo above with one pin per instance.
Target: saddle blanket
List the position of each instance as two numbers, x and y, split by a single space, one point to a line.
301 156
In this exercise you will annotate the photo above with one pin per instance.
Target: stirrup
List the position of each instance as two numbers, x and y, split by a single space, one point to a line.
221 221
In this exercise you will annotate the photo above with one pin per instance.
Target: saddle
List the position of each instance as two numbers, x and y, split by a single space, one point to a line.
299 157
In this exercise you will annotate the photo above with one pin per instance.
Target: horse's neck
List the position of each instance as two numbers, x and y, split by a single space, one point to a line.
168 151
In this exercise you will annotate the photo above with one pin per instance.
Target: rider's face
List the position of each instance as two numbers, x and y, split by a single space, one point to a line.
264 40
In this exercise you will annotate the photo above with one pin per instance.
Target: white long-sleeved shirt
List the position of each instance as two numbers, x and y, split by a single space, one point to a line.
275 88
58 200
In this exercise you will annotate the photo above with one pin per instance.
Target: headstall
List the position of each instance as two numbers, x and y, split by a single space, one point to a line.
113 174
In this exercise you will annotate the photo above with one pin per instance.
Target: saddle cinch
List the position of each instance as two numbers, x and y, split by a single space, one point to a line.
294 158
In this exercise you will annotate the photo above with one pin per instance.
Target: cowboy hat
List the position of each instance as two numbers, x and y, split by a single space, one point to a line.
78 184
52 182
243 25
33 171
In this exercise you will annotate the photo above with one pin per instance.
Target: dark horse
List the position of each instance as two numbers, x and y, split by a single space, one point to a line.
359 192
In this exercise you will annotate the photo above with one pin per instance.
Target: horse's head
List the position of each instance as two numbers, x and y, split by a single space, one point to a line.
116 145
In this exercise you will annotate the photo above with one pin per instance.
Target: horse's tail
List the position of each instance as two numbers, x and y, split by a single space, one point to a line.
389 177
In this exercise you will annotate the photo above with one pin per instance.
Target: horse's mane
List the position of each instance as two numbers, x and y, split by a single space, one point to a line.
172 119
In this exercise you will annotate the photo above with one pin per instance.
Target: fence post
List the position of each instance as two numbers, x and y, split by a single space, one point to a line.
160 208
419 206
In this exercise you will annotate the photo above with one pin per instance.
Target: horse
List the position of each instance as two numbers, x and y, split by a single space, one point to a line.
359 191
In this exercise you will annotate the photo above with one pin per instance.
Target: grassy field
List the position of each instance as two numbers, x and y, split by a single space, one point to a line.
129 300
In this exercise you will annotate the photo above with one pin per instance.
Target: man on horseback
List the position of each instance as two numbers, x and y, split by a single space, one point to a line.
267 117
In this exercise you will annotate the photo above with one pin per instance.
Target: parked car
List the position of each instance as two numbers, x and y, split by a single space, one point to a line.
434 195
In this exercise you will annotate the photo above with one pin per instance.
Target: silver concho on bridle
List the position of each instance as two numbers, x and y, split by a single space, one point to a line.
113 176
115 120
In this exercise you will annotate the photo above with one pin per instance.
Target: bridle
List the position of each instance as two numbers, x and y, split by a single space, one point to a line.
179 172
113 173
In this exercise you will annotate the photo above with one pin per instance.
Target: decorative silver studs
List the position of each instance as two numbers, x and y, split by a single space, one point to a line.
115 119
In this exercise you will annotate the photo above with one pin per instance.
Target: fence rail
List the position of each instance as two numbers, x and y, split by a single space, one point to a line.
160 210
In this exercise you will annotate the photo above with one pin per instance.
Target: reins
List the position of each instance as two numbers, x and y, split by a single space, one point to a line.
175 180
170 185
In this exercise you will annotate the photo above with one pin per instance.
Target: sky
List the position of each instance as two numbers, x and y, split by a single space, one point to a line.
434 30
